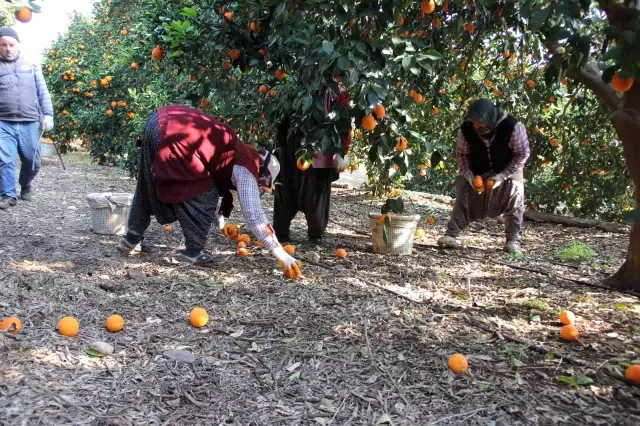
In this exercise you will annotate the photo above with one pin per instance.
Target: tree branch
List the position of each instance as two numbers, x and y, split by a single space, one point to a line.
592 79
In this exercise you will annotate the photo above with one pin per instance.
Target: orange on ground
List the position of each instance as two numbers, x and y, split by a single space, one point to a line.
632 373
341 253
157 53
427 6
368 122
168 228
430 220
259 244
569 333
419 233
621 84
68 326
567 318
115 323
379 111
303 164
279 74
198 317
458 363
289 249
234 54
232 230
401 143
11 325
244 237
24 14
242 244
243 252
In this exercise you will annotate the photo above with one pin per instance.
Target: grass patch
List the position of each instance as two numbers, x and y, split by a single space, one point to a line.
576 251
514 256
515 353
539 304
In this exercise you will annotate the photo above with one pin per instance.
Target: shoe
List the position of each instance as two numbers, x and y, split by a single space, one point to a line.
6 202
202 258
26 194
130 248
513 247
447 241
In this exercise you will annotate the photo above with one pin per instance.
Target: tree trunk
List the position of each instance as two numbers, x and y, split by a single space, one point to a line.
627 123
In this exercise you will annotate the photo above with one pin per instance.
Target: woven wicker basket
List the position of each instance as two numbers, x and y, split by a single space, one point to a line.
109 212
399 233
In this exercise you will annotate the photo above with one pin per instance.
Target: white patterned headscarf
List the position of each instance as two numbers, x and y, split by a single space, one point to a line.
269 169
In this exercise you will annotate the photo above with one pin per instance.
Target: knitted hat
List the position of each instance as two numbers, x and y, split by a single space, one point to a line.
9 32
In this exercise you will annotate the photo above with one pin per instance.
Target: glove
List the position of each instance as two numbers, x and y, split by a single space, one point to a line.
220 222
497 181
290 266
47 124
341 163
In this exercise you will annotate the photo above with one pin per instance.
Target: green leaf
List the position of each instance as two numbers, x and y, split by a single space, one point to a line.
372 98
364 351
306 103
327 46
407 62
613 53
280 8
344 63
633 216
567 380
295 375
431 55
93 353
538 18
583 380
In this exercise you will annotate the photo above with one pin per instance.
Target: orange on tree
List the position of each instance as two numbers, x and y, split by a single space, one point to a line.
227 65
134 65
401 143
68 326
458 363
198 317
531 84
24 14
157 53
369 123
228 16
567 318
114 323
109 112
569 333
124 32
427 6
437 23
621 84
131 115
303 164
279 74
234 54
554 142
262 89
379 111
271 93
435 110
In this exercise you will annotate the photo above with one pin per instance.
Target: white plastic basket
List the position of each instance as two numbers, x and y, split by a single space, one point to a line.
47 149
109 212
400 232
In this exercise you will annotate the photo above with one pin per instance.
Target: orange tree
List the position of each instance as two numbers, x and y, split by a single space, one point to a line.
12 10
253 62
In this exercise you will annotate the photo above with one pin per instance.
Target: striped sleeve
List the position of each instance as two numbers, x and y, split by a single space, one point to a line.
519 145
43 93
249 197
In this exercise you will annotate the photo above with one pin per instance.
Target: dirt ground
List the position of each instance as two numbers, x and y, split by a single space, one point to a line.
359 341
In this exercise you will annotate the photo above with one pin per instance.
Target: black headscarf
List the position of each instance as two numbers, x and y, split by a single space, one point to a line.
485 111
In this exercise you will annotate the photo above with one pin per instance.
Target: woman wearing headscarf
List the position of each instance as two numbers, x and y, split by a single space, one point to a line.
188 161
307 191
493 145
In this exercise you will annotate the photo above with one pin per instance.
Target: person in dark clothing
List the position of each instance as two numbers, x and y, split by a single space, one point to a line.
493 145
188 160
307 191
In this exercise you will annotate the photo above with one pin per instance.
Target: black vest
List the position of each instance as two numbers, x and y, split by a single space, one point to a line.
496 158
18 93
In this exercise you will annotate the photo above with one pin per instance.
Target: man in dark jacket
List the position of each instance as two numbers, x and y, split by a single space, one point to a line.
25 111
493 145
